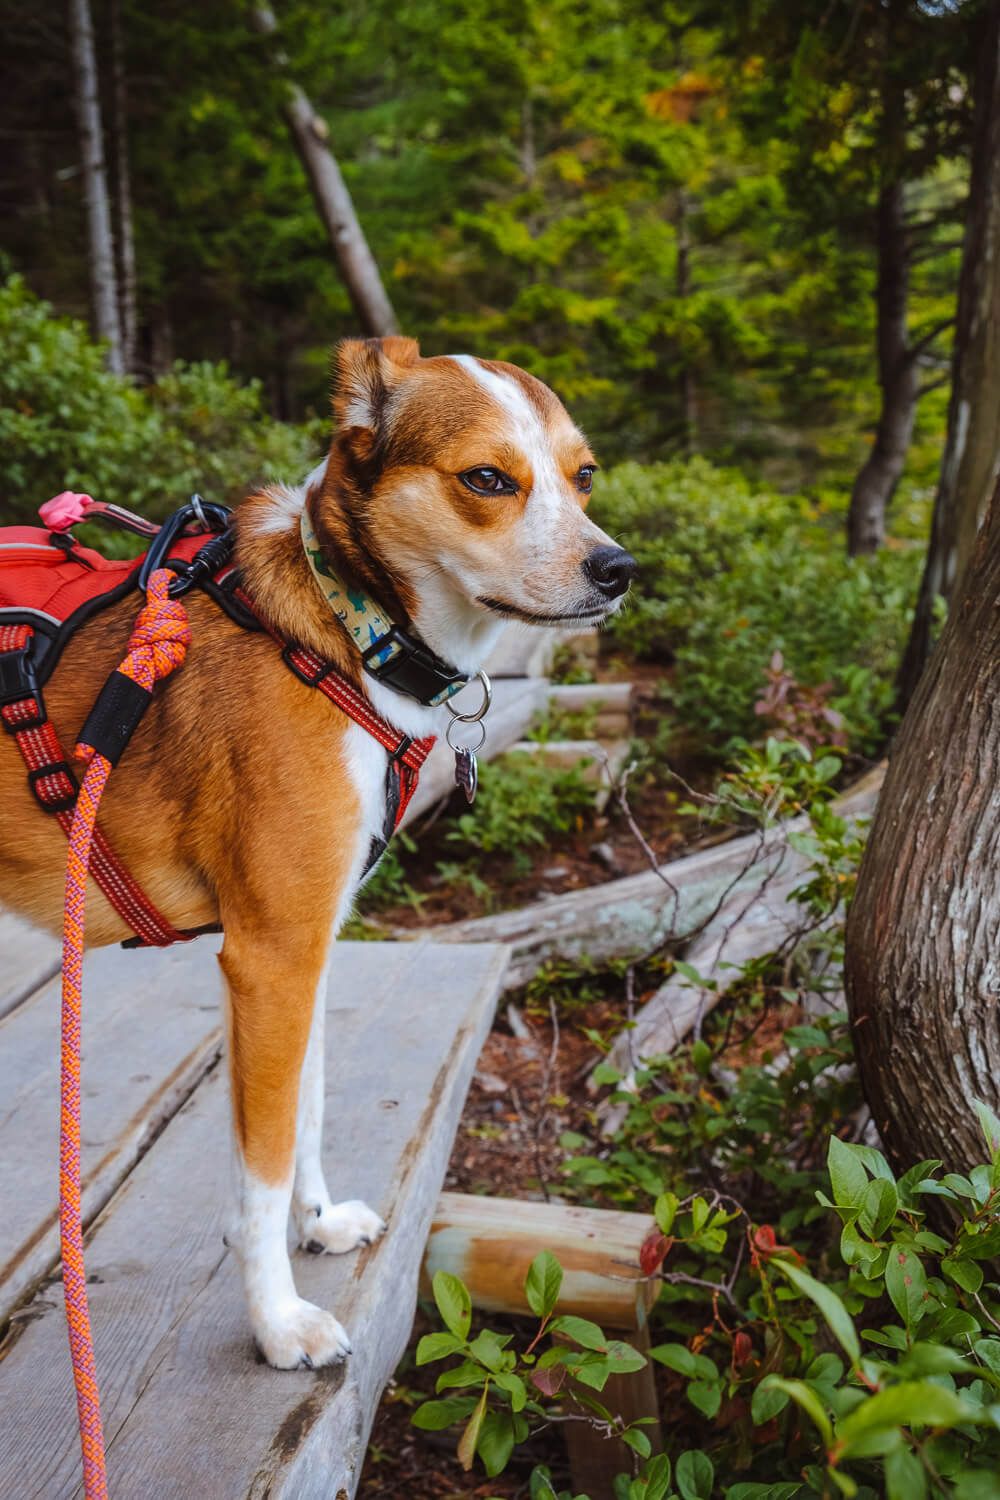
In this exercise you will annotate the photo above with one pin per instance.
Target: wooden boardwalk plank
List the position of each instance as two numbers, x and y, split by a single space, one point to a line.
28 957
188 1412
151 1028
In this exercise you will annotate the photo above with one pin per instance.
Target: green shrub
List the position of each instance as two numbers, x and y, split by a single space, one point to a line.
66 423
728 575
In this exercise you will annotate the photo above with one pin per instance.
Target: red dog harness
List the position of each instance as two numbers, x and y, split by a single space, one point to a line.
50 585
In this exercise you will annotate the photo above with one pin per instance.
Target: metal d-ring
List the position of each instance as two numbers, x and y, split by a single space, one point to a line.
453 726
483 708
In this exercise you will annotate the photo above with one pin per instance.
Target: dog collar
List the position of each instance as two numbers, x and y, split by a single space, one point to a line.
388 653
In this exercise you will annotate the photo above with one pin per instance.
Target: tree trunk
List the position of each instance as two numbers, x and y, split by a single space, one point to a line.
336 208
971 458
103 282
897 374
123 184
922 975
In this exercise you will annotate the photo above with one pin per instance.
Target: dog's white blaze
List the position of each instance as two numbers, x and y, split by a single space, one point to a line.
551 514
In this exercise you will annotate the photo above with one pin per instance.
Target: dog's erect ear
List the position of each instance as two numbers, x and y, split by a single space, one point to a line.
367 371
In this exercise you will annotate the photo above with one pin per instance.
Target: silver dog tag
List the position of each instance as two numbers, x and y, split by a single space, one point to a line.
467 773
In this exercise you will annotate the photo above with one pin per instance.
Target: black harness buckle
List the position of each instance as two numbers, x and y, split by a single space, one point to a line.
311 679
18 682
410 668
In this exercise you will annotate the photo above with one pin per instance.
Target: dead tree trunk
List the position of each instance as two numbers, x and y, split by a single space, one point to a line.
101 259
971 458
923 982
123 194
333 200
897 374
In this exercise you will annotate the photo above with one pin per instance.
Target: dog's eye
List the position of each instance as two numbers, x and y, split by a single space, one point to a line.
488 482
585 479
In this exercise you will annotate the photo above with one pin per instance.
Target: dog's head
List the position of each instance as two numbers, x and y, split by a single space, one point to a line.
466 483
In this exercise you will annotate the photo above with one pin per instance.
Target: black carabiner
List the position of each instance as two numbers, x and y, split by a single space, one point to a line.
216 515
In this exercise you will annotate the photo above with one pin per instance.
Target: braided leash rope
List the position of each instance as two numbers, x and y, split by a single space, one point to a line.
158 645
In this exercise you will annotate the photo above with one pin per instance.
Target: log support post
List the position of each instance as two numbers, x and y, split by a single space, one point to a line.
491 1242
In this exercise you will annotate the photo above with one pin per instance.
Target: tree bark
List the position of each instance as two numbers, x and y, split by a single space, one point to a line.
971 459
103 282
358 267
922 974
897 374
123 198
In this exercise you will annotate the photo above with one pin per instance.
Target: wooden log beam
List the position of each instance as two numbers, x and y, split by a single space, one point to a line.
491 1242
629 917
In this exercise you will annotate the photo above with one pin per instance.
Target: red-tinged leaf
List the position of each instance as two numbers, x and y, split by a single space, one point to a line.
654 1251
742 1349
549 1380
765 1240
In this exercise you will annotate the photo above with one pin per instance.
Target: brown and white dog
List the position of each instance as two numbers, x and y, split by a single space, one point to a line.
454 494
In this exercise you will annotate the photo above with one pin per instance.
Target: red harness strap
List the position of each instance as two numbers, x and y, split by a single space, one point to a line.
407 754
55 788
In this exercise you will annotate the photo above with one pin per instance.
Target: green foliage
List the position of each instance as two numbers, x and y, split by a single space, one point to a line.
522 805
729 575
65 423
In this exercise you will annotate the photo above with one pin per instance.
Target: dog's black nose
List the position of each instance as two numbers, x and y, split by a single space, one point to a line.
611 569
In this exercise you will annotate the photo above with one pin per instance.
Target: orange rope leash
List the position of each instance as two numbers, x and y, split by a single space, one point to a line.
158 644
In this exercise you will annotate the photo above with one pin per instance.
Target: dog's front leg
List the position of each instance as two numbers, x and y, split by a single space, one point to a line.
273 978
321 1224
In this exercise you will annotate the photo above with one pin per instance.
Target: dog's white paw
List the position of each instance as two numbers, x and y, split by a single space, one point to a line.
297 1335
334 1228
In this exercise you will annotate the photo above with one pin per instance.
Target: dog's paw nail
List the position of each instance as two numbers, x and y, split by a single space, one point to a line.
318 1210
306 1363
314 1247
366 1239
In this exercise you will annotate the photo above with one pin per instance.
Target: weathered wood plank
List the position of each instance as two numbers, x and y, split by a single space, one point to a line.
188 1411
151 1028
517 703
28 957
491 1242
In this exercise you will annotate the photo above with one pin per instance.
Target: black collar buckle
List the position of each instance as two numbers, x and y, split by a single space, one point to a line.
411 668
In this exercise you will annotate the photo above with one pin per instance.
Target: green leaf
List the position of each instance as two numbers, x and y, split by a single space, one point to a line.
453 1302
638 1441
434 1416
495 1443
804 1395
990 1126
767 1402
437 1346
658 1478
911 1403
470 1437
964 1273
680 1358
978 1484
488 1348
706 1396
543 1282
988 1350
906 1284
879 1204
848 1177
665 1211
837 1317
695 1475
466 1373
605 1072
581 1331
515 1388
905 1477
624 1360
